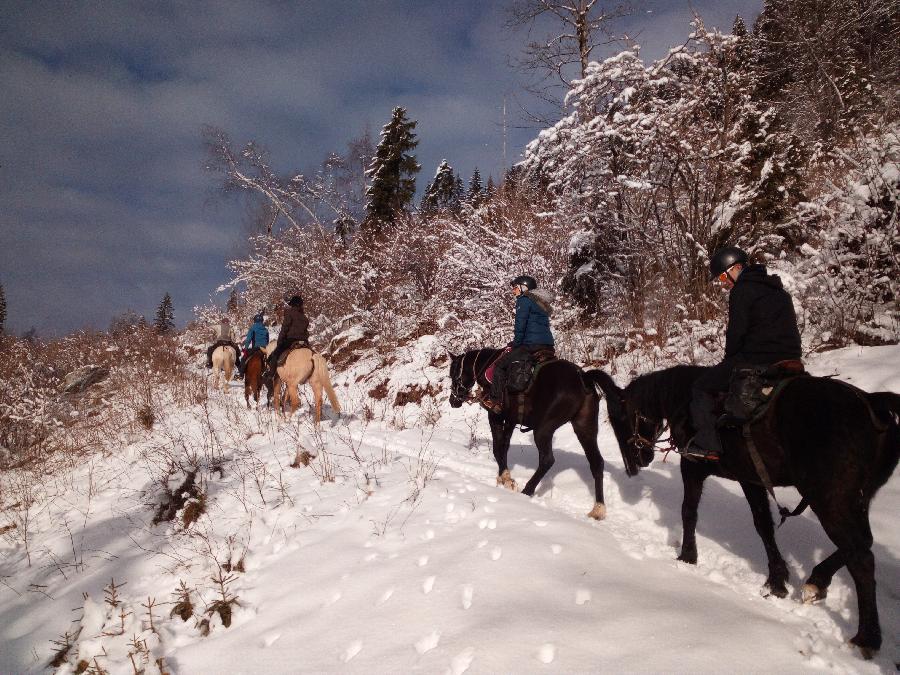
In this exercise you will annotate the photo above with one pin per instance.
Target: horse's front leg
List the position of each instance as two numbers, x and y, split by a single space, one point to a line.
692 477
501 433
762 519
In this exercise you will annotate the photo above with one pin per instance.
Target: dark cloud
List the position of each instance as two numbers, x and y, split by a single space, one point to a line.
103 202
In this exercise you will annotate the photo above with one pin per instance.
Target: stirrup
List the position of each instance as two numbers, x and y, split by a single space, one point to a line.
492 405
695 452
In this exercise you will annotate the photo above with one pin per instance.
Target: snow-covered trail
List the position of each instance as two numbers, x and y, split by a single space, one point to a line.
424 564
481 577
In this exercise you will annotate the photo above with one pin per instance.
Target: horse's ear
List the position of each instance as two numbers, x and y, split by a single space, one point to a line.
452 356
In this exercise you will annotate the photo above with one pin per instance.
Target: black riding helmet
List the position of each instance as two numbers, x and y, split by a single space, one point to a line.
724 258
524 280
296 301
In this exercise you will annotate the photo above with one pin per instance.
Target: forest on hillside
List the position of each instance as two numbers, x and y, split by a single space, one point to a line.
781 137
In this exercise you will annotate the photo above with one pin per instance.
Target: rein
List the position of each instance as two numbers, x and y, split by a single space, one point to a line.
465 393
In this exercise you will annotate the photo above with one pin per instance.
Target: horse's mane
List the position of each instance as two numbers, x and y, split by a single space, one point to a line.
664 393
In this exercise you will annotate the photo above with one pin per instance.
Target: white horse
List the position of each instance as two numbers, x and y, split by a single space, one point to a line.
223 359
302 365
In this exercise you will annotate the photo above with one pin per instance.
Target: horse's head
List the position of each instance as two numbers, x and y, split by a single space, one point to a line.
635 432
462 380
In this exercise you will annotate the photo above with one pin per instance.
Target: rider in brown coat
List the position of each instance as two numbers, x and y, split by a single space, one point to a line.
294 328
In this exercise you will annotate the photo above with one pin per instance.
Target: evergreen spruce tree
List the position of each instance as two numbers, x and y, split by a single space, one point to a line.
2 309
441 191
392 173
165 316
476 191
459 194
490 189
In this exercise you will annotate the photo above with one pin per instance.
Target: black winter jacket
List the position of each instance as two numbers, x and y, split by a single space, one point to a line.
294 327
762 325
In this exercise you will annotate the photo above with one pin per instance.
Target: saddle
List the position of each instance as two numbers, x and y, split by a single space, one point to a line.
300 344
752 389
522 372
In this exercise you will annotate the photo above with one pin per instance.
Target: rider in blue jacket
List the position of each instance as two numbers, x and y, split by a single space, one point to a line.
531 333
257 337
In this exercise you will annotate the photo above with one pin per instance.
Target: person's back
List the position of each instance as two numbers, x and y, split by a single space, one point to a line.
257 335
762 324
224 336
294 328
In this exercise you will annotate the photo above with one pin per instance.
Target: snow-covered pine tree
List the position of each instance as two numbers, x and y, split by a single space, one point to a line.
475 195
165 316
392 173
459 194
440 194
2 309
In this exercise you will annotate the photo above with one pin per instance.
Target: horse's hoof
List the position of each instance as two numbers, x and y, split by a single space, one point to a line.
779 591
811 593
505 480
598 512
867 648
687 558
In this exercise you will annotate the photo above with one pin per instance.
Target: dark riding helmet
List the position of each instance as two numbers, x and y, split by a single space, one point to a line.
296 301
524 280
258 318
724 258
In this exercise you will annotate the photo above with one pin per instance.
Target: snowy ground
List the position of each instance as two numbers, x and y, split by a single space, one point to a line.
394 551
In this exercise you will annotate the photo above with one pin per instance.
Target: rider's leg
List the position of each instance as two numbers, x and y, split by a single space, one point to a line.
706 443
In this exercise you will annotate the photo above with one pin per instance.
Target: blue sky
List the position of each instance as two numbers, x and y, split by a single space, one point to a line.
104 204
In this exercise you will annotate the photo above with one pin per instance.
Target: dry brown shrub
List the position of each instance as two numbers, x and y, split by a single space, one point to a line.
379 392
415 394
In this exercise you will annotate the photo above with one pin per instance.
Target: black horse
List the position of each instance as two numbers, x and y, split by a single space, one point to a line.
835 443
560 393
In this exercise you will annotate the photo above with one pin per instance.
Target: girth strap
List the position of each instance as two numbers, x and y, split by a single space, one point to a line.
766 481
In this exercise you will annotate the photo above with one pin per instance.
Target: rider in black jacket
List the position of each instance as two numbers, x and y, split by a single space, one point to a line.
762 330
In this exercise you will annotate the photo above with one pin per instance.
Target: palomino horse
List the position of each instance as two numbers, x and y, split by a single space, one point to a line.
835 443
253 379
303 365
223 359
562 392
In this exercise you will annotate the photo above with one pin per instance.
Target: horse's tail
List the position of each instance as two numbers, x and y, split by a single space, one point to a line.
603 382
320 364
886 406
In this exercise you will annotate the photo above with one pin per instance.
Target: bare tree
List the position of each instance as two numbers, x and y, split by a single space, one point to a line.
296 199
569 32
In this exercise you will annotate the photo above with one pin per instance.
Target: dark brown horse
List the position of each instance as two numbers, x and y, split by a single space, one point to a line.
835 443
254 366
561 393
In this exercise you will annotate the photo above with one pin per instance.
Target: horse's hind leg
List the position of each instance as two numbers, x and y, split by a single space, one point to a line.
543 439
317 397
848 527
585 426
762 520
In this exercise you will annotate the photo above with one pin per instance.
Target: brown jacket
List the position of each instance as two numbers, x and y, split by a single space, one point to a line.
294 327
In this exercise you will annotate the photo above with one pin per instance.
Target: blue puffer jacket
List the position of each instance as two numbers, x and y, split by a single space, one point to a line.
257 336
533 319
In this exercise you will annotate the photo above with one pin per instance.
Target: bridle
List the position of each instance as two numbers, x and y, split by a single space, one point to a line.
462 392
640 442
